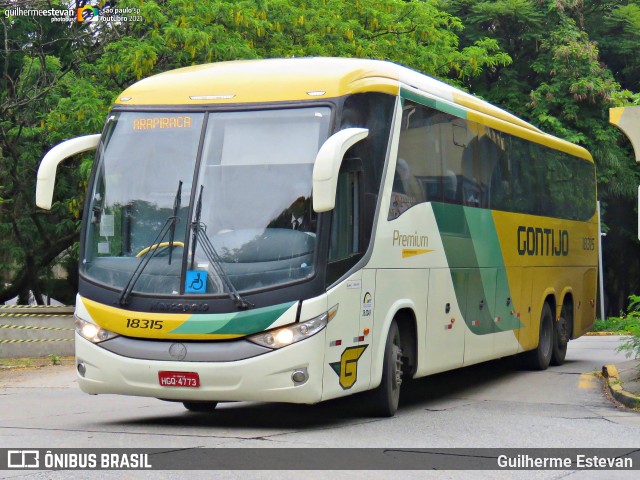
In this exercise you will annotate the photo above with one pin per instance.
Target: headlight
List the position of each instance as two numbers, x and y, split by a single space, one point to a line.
281 337
92 332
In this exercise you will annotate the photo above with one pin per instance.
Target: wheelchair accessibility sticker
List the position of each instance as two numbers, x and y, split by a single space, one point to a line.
196 281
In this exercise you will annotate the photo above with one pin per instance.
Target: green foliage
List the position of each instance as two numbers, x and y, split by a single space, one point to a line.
625 98
631 345
575 84
577 87
42 81
614 324
179 33
618 37
54 358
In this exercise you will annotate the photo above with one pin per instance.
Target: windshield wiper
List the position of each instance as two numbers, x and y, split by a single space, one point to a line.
199 233
176 209
168 227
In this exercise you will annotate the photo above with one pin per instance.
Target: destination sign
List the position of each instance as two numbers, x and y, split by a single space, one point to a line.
159 123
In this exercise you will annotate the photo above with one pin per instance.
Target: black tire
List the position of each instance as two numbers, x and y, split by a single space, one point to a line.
561 336
540 358
200 406
384 400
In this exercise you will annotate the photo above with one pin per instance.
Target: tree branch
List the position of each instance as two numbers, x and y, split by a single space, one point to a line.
23 277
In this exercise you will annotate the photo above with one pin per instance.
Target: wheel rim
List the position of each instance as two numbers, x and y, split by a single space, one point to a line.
545 338
397 377
562 332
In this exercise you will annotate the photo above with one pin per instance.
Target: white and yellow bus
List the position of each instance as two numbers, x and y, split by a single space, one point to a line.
296 230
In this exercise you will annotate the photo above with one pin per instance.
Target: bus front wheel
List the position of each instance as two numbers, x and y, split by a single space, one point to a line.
384 399
540 358
200 406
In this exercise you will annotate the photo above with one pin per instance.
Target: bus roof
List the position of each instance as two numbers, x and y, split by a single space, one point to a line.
297 79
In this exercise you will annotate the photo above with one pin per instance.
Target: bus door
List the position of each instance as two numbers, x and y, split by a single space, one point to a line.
348 359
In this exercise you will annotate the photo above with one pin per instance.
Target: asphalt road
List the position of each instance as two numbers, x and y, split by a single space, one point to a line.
496 405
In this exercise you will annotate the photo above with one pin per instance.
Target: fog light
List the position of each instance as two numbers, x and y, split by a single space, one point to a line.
82 370
300 376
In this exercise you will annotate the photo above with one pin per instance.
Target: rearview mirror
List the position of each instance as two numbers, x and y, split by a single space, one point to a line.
327 166
49 165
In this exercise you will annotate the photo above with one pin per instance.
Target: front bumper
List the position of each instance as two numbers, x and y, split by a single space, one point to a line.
266 377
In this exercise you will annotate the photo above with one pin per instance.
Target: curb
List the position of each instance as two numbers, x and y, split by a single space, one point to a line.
610 373
604 334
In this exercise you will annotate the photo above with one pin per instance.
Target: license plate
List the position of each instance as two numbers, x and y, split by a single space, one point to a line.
179 379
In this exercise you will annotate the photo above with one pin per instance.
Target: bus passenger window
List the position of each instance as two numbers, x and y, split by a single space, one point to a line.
345 247
417 175
406 190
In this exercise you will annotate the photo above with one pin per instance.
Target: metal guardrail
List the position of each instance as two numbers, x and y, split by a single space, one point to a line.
35 310
36 330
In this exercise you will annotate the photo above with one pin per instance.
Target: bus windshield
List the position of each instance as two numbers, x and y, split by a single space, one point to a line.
248 172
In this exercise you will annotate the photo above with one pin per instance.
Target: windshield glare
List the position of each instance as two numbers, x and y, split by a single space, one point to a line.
253 189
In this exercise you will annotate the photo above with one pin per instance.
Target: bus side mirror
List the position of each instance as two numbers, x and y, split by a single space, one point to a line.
327 166
49 165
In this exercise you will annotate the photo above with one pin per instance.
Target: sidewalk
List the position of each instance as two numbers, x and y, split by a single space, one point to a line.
624 382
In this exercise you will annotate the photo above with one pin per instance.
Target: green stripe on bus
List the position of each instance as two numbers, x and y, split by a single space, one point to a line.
478 273
441 105
237 323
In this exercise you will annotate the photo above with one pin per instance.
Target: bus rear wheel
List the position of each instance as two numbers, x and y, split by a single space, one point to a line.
540 358
560 339
385 398
200 406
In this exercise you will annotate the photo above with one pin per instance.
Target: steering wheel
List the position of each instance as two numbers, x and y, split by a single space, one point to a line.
159 245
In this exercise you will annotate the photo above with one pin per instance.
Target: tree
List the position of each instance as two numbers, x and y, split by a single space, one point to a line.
178 33
563 82
615 26
59 79
41 63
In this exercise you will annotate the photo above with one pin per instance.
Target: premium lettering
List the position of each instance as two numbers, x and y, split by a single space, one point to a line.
414 240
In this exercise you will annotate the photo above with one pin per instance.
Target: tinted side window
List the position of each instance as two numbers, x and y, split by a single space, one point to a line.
443 158
373 111
547 182
418 167
571 186
492 146
525 177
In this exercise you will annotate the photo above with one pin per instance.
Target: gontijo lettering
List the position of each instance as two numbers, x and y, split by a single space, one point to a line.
162 123
543 242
